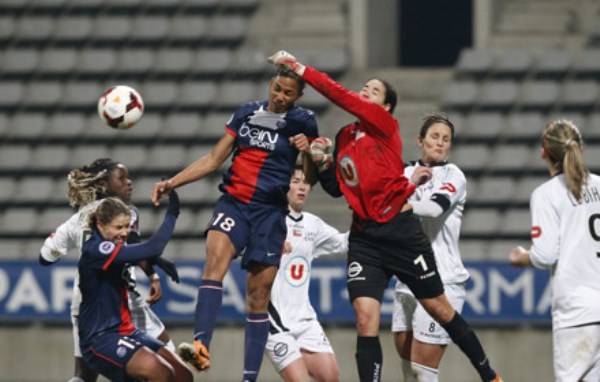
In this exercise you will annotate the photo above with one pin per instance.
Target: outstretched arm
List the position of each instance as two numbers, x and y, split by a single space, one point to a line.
197 170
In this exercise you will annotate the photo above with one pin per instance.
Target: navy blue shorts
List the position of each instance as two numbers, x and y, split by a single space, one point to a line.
108 353
257 231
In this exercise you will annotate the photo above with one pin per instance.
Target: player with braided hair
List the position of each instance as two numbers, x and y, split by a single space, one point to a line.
86 186
565 234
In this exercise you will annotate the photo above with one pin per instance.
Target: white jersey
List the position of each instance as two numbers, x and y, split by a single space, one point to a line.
566 239
447 180
309 237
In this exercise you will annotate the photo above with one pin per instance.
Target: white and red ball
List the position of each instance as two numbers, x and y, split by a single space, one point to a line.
121 107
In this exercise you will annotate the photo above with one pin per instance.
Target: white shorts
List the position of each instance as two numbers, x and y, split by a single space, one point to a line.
141 315
577 353
284 348
409 315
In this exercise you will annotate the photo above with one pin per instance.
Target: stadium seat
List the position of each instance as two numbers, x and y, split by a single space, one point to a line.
73 29
594 38
34 189
66 125
8 189
18 221
591 128
11 94
333 61
83 155
168 159
473 63
498 250
111 29
313 100
196 151
52 158
513 158
459 95
553 63
7 28
481 125
512 63
232 93
15 158
142 188
493 189
524 125
211 62
30 126
34 28
516 222
150 218
471 157
159 95
43 94
150 29
473 250
498 95
135 62
96 62
134 157
578 118
173 61
148 128
181 125
82 95
193 250
18 62
591 155
579 95
539 95
186 223
526 185
11 248
249 61
226 29
50 218
480 221
197 95
203 190
587 63
4 125
96 129
58 62
188 28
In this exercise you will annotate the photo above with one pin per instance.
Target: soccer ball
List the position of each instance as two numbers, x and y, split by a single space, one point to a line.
121 107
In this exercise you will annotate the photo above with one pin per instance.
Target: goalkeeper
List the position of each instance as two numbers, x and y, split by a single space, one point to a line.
386 238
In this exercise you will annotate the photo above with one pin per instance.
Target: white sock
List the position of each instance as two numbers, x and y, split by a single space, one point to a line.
407 371
75 379
425 373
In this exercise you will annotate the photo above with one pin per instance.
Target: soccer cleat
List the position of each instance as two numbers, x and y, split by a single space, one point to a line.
196 355
497 379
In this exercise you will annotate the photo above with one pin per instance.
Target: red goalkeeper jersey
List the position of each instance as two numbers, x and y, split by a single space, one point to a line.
370 169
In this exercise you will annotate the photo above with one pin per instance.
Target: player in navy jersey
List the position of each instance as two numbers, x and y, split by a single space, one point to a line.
386 238
87 185
110 343
249 218
565 236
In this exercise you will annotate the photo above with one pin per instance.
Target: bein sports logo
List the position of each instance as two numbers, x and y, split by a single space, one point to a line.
259 138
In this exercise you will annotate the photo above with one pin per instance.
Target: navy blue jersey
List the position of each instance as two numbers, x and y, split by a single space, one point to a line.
263 159
104 279
104 287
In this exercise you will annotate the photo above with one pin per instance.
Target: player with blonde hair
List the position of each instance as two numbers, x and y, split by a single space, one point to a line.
565 233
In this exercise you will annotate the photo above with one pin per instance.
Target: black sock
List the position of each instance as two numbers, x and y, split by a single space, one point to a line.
463 336
369 358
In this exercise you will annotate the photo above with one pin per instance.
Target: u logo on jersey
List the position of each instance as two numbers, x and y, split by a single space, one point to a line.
348 171
297 271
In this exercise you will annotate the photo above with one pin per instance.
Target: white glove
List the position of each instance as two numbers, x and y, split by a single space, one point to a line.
285 61
320 153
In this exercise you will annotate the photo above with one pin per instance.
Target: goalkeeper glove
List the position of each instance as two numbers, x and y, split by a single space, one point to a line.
320 153
285 61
